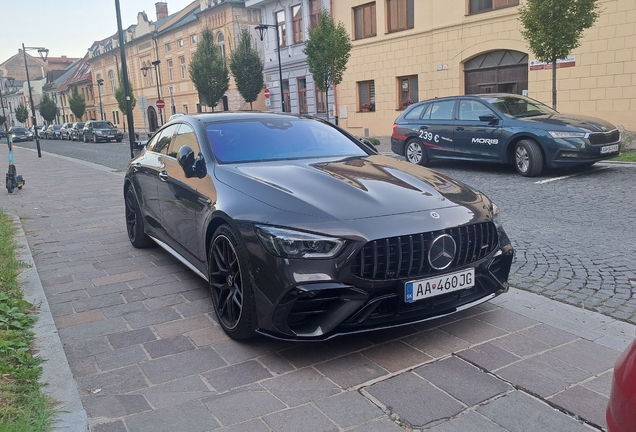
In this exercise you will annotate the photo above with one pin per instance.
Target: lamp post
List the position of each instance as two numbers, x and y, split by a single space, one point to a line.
261 32
144 71
100 84
44 53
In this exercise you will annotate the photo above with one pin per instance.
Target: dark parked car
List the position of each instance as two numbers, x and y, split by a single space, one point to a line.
65 131
101 130
40 128
52 132
504 128
304 232
621 409
76 132
19 133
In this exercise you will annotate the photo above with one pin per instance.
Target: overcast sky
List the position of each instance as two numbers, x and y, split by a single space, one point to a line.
67 27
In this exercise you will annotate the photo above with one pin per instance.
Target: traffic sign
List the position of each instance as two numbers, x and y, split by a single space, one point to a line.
266 93
160 103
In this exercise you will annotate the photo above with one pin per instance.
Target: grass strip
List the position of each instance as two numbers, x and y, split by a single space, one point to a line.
23 405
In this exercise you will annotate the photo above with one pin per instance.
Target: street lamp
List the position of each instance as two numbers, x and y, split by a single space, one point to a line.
144 71
44 53
100 83
261 32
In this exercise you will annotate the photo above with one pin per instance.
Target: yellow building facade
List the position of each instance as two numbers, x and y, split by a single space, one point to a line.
421 49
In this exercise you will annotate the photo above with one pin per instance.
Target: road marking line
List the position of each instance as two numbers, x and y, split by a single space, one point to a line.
567 176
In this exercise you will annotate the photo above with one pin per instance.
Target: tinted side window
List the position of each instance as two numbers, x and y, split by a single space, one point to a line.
416 112
184 136
442 110
163 141
471 110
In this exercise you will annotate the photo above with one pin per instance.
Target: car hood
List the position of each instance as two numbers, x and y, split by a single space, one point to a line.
349 188
107 130
589 124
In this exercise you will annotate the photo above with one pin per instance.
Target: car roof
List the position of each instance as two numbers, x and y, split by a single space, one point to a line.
237 115
472 96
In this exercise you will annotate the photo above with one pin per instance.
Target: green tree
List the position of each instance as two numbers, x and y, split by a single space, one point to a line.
77 103
553 29
121 96
48 109
208 70
328 49
247 67
21 113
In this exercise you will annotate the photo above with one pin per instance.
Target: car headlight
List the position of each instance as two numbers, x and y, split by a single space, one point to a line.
495 215
565 134
287 243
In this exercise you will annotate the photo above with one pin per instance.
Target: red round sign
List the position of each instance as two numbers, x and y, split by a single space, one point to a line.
160 103
266 93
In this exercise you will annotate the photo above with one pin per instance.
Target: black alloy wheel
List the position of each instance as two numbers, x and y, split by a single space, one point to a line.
230 285
135 222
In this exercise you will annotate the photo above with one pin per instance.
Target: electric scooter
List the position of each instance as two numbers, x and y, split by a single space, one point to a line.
13 180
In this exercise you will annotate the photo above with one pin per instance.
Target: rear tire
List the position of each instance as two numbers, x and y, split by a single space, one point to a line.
230 284
415 152
528 158
135 221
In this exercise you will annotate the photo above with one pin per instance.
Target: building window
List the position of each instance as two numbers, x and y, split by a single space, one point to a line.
302 96
366 95
320 101
170 71
399 15
183 67
180 43
111 78
282 28
297 23
364 21
194 39
220 40
287 96
407 90
115 117
314 11
185 108
168 47
477 6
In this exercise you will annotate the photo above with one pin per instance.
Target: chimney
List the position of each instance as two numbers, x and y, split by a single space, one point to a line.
162 10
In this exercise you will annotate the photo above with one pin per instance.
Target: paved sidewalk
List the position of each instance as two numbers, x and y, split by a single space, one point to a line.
146 354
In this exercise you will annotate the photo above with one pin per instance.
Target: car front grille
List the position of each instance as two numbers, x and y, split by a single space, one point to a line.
406 256
605 137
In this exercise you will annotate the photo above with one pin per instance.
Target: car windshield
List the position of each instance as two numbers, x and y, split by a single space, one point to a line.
274 139
80 125
56 127
103 125
518 106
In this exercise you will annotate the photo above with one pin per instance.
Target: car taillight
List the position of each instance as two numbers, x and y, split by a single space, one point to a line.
394 126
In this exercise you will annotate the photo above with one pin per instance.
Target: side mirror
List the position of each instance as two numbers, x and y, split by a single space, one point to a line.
191 167
490 118
139 145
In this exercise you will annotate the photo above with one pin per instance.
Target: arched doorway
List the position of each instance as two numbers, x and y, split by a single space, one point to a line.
152 119
502 71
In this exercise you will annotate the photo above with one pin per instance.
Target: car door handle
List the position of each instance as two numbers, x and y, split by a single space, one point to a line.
163 176
423 127
459 128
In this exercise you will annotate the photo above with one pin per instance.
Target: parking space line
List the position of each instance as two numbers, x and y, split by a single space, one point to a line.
567 176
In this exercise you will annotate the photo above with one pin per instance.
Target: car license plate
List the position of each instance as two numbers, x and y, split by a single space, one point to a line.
431 287
609 149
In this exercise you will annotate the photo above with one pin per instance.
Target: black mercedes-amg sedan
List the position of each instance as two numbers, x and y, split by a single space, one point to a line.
304 232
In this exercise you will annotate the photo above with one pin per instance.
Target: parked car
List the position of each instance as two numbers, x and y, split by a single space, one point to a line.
65 130
101 130
621 409
19 133
304 232
503 128
53 132
40 128
3 133
76 131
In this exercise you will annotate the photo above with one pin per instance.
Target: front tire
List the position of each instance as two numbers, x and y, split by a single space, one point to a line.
135 221
528 158
230 284
415 152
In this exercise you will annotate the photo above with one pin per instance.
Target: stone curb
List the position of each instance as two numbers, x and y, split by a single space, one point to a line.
71 415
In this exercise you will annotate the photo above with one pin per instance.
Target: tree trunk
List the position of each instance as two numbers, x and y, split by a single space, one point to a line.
554 86
327 102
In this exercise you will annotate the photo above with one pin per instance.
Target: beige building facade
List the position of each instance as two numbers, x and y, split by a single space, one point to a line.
410 50
158 54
